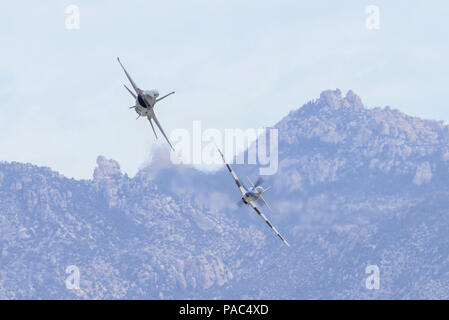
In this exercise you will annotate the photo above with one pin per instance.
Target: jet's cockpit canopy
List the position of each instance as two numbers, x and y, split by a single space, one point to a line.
141 101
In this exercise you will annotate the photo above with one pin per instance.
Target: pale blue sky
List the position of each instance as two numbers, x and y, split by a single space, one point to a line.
232 65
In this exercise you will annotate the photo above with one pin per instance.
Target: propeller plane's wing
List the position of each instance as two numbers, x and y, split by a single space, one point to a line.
236 179
243 191
268 223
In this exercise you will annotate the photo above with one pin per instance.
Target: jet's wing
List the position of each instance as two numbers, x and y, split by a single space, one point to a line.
268 223
136 88
163 133
236 179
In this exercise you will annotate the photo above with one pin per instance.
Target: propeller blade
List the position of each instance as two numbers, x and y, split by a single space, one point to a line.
240 203
260 202
259 182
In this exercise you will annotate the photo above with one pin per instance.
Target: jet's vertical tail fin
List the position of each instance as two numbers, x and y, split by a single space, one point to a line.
129 90
151 122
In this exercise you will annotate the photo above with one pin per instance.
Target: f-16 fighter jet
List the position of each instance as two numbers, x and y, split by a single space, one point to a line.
252 195
145 101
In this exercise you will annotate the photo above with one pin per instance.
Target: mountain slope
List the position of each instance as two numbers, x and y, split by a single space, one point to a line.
355 187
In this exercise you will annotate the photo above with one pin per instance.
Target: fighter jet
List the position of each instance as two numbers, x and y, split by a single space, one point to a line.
252 195
145 101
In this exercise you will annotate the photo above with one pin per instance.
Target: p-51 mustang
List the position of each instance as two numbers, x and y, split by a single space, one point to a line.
145 101
252 195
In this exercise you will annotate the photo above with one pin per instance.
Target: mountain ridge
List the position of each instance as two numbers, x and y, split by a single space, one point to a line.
349 193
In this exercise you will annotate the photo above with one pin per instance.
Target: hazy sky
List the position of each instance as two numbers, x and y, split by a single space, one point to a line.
232 65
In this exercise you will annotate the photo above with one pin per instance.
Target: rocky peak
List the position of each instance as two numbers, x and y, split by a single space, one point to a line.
354 100
334 100
354 186
107 179
334 138
106 168
330 98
